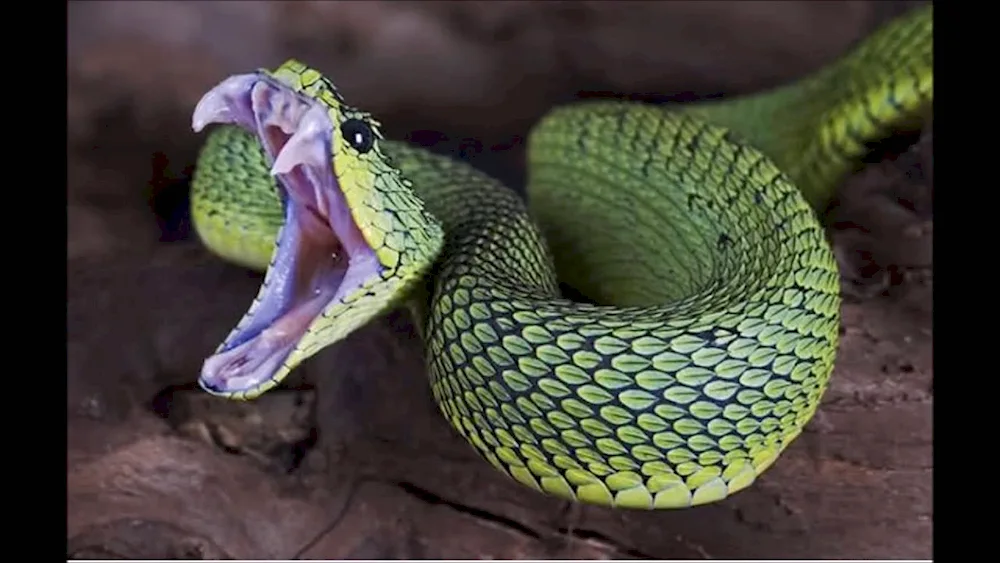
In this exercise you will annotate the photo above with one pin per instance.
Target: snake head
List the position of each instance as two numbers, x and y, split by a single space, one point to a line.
355 238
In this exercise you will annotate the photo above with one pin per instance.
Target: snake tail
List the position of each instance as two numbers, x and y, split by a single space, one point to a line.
818 128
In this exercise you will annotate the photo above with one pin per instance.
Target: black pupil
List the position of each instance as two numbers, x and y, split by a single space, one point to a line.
358 134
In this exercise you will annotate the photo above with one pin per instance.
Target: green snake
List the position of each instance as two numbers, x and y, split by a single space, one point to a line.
710 325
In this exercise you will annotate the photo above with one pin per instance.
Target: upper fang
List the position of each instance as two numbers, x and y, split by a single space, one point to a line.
305 146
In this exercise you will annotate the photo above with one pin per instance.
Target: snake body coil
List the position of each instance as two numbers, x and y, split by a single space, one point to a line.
714 315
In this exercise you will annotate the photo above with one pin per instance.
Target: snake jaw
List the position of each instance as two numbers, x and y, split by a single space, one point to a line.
320 256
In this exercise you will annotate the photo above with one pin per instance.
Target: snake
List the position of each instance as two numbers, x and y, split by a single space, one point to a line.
648 327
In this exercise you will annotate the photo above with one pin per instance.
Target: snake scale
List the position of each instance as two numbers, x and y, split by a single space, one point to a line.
710 325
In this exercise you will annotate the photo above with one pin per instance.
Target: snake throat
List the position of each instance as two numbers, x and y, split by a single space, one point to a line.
320 255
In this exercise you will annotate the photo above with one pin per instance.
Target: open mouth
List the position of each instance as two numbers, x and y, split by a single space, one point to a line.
321 255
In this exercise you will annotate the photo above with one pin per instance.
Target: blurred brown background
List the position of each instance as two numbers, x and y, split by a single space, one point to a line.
352 460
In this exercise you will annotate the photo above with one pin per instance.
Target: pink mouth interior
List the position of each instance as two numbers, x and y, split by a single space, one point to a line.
321 255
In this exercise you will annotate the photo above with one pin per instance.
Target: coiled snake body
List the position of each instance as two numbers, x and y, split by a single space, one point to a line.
712 325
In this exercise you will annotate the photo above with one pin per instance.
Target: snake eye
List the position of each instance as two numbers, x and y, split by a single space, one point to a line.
358 134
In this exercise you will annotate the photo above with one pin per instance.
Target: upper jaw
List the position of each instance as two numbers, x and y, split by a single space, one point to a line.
321 255
294 130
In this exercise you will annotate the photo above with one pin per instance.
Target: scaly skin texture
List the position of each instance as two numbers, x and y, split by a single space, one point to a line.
715 321
816 129
241 223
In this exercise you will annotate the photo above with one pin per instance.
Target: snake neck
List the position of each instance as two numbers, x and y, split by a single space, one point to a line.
489 233
817 130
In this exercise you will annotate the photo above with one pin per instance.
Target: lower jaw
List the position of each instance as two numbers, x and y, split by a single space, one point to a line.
267 351
303 279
